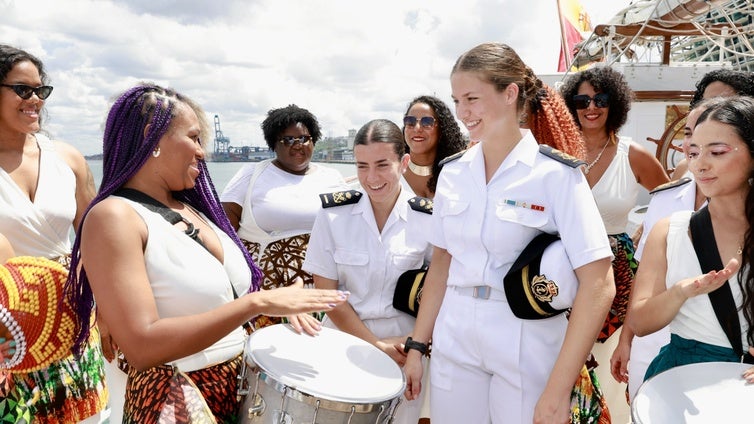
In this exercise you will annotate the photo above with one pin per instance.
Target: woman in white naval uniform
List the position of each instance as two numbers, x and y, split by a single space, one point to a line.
488 365
362 244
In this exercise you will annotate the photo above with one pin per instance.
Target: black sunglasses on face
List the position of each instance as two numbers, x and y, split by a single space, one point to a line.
425 121
25 91
581 101
289 140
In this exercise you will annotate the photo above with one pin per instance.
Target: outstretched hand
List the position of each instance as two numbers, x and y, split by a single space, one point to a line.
303 322
708 282
286 301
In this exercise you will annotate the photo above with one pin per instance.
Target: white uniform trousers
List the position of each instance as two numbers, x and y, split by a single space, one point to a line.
487 365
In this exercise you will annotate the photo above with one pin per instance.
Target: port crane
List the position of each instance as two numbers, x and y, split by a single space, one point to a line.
222 143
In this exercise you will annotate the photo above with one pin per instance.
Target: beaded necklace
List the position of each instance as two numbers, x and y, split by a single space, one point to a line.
590 165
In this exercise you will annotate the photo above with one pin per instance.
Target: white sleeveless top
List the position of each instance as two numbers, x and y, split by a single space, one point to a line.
41 227
187 279
617 190
696 319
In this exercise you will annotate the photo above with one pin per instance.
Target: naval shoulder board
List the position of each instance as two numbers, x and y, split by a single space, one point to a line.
673 184
421 204
559 156
340 198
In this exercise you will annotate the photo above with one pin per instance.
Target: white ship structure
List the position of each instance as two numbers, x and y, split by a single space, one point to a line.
664 47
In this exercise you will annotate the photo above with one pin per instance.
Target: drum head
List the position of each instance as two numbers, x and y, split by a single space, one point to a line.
332 365
698 393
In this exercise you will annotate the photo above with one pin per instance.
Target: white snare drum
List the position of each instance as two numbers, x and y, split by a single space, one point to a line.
707 392
333 377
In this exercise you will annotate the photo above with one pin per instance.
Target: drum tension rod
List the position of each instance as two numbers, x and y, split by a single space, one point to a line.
350 417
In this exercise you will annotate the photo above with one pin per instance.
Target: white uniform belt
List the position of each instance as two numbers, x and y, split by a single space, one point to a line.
481 292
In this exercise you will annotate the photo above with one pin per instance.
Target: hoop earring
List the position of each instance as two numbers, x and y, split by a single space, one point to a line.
156 152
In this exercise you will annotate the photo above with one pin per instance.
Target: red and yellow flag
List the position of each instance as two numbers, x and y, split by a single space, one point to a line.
573 22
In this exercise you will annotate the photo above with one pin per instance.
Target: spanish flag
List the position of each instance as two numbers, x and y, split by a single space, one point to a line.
573 22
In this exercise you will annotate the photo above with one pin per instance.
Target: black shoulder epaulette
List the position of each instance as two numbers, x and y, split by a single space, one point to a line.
421 204
559 156
672 184
452 157
340 198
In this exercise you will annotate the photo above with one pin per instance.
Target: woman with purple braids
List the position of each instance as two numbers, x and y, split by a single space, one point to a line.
166 268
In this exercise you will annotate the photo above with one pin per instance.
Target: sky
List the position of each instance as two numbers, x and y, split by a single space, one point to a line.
346 61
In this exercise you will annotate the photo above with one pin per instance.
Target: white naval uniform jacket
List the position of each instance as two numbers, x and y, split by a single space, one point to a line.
346 246
485 226
668 198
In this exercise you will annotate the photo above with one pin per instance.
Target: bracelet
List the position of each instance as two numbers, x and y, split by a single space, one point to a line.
423 348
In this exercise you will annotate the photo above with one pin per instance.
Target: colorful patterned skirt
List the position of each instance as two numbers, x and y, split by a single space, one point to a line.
68 391
148 391
588 405
624 268
281 264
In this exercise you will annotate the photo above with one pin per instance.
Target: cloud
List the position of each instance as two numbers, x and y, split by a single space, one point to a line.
346 61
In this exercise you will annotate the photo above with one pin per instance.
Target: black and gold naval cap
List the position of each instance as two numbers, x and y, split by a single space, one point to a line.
541 283
340 198
408 291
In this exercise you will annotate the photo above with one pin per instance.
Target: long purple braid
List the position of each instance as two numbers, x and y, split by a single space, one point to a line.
125 149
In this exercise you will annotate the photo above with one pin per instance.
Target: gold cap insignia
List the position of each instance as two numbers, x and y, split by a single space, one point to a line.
544 290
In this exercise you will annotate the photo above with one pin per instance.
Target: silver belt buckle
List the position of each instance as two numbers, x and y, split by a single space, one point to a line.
482 292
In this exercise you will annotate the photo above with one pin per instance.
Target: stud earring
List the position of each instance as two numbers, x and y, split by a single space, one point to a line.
751 181
156 152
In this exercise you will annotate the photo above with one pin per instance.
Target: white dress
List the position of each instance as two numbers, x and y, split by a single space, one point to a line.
615 193
41 227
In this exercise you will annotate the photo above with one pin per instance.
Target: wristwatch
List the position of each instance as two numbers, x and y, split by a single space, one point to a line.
423 348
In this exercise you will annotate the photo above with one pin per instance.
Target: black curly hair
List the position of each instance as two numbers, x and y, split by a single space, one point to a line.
740 81
450 140
10 56
279 119
607 80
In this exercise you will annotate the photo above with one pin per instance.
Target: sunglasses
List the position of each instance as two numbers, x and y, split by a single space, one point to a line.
581 101
24 91
425 121
289 140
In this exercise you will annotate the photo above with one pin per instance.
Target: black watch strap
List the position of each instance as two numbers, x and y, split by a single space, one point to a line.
423 348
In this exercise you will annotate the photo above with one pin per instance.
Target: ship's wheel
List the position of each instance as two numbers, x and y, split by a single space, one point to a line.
669 151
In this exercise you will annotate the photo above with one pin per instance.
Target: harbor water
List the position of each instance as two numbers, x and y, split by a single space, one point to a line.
222 172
